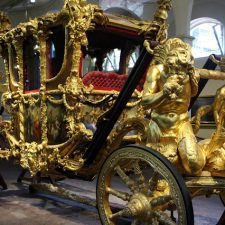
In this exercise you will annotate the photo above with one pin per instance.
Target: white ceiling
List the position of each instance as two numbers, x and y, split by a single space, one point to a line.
135 6
6 5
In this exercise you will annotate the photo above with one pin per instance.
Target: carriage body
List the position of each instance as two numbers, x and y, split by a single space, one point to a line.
62 77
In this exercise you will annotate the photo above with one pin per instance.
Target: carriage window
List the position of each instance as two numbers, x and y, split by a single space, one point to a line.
31 65
55 51
89 64
207 30
112 61
14 64
133 58
101 61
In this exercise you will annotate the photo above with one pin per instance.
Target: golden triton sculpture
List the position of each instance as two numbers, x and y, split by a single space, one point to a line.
171 82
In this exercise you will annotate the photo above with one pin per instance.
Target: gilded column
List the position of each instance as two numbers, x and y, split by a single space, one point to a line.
42 41
19 58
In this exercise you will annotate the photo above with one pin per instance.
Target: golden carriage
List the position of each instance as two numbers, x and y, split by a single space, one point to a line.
73 107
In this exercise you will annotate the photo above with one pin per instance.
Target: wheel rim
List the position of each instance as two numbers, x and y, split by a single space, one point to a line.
139 186
222 197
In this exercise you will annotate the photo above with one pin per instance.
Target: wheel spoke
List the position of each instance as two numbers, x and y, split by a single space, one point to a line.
122 195
172 216
161 200
124 212
163 218
140 177
153 182
155 221
135 222
122 178
126 179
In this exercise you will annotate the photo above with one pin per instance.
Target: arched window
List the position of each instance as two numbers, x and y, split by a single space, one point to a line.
209 37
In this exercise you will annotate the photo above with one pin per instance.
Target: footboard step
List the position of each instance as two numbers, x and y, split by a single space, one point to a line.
55 192
205 182
61 193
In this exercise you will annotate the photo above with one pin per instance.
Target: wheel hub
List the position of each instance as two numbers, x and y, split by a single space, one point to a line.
140 206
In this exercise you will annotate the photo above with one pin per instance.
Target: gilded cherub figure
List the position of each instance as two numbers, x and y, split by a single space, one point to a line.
214 147
220 63
170 83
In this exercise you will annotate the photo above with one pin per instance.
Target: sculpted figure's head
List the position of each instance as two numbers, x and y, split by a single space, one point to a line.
178 59
179 52
174 52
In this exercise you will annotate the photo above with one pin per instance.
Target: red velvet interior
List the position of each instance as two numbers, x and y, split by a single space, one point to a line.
108 81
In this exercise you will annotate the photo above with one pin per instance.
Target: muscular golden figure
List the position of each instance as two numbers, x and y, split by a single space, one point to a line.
171 82
215 146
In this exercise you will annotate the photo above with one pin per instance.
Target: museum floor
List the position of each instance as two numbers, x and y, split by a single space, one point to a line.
18 207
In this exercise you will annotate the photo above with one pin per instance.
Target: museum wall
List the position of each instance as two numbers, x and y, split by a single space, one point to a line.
22 15
214 9
209 8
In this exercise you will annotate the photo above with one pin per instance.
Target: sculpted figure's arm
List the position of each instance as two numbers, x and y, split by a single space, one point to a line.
152 96
218 106
154 93
210 74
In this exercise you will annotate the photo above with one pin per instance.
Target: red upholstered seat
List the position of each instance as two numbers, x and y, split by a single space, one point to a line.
107 80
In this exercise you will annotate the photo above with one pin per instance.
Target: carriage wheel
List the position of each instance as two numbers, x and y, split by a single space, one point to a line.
137 185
